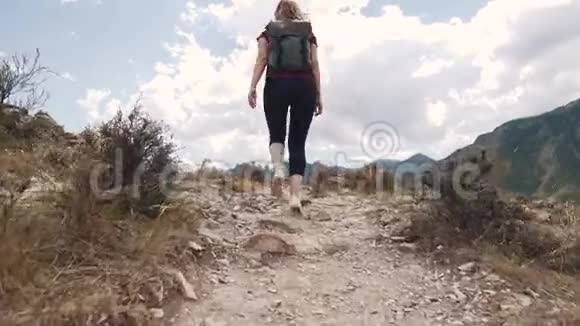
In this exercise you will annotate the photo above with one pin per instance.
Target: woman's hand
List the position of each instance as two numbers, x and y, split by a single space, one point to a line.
252 98
319 106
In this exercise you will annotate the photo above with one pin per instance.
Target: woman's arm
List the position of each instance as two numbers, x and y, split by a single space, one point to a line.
316 73
259 66
261 62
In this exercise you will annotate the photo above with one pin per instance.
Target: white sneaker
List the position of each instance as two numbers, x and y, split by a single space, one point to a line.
279 171
295 204
278 180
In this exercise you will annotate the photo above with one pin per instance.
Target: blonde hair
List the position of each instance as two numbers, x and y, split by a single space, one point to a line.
288 9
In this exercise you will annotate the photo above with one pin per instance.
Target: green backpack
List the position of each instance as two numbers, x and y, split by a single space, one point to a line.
289 45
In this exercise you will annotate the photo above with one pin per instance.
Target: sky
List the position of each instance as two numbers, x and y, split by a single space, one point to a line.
398 77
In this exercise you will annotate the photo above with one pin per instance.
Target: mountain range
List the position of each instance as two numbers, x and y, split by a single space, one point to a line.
537 156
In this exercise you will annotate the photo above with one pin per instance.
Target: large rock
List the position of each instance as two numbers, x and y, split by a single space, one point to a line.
268 243
18 124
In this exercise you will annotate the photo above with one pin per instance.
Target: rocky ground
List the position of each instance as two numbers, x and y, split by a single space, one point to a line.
341 263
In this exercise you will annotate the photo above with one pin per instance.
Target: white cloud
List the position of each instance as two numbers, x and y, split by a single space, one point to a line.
429 67
93 101
2 54
190 14
68 76
478 73
436 113
164 69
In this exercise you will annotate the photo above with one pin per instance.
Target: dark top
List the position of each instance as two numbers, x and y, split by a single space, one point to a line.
292 74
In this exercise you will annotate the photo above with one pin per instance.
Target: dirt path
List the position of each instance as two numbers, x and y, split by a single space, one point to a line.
348 271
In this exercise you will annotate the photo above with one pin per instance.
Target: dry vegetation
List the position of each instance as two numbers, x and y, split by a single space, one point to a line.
368 180
534 243
70 257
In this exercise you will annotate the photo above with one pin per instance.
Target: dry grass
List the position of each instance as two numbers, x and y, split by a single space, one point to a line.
507 227
79 261
368 180
320 182
542 255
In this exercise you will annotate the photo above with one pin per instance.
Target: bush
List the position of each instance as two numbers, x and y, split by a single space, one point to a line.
20 81
370 180
320 181
139 156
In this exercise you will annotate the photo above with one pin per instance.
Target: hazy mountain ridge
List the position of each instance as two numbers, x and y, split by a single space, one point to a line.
388 165
536 156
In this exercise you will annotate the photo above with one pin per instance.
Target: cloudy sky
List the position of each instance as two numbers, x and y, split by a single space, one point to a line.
419 76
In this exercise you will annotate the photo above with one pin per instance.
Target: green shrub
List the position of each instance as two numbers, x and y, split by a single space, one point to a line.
140 158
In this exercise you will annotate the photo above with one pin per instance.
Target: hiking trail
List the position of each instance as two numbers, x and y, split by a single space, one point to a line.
349 268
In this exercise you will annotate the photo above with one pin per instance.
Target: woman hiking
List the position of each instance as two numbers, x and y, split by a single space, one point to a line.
288 48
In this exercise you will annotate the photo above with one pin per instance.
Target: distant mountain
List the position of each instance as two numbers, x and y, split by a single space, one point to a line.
419 159
388 165
415 160
537 156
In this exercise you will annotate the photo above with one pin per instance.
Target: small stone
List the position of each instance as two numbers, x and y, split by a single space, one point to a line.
157 313
407 247
277 303
468 267
212 225
318 312
223 261
492 278
186 287
524 300
272 290
531 293
195 246
398 239
432 299
322 217
459 295
506 307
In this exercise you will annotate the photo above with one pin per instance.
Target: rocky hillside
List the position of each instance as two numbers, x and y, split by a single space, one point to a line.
18 127
536 156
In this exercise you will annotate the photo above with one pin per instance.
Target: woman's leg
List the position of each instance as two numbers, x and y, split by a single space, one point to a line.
301 114
276 110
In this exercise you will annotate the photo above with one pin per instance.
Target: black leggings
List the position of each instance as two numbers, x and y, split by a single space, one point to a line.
300 95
